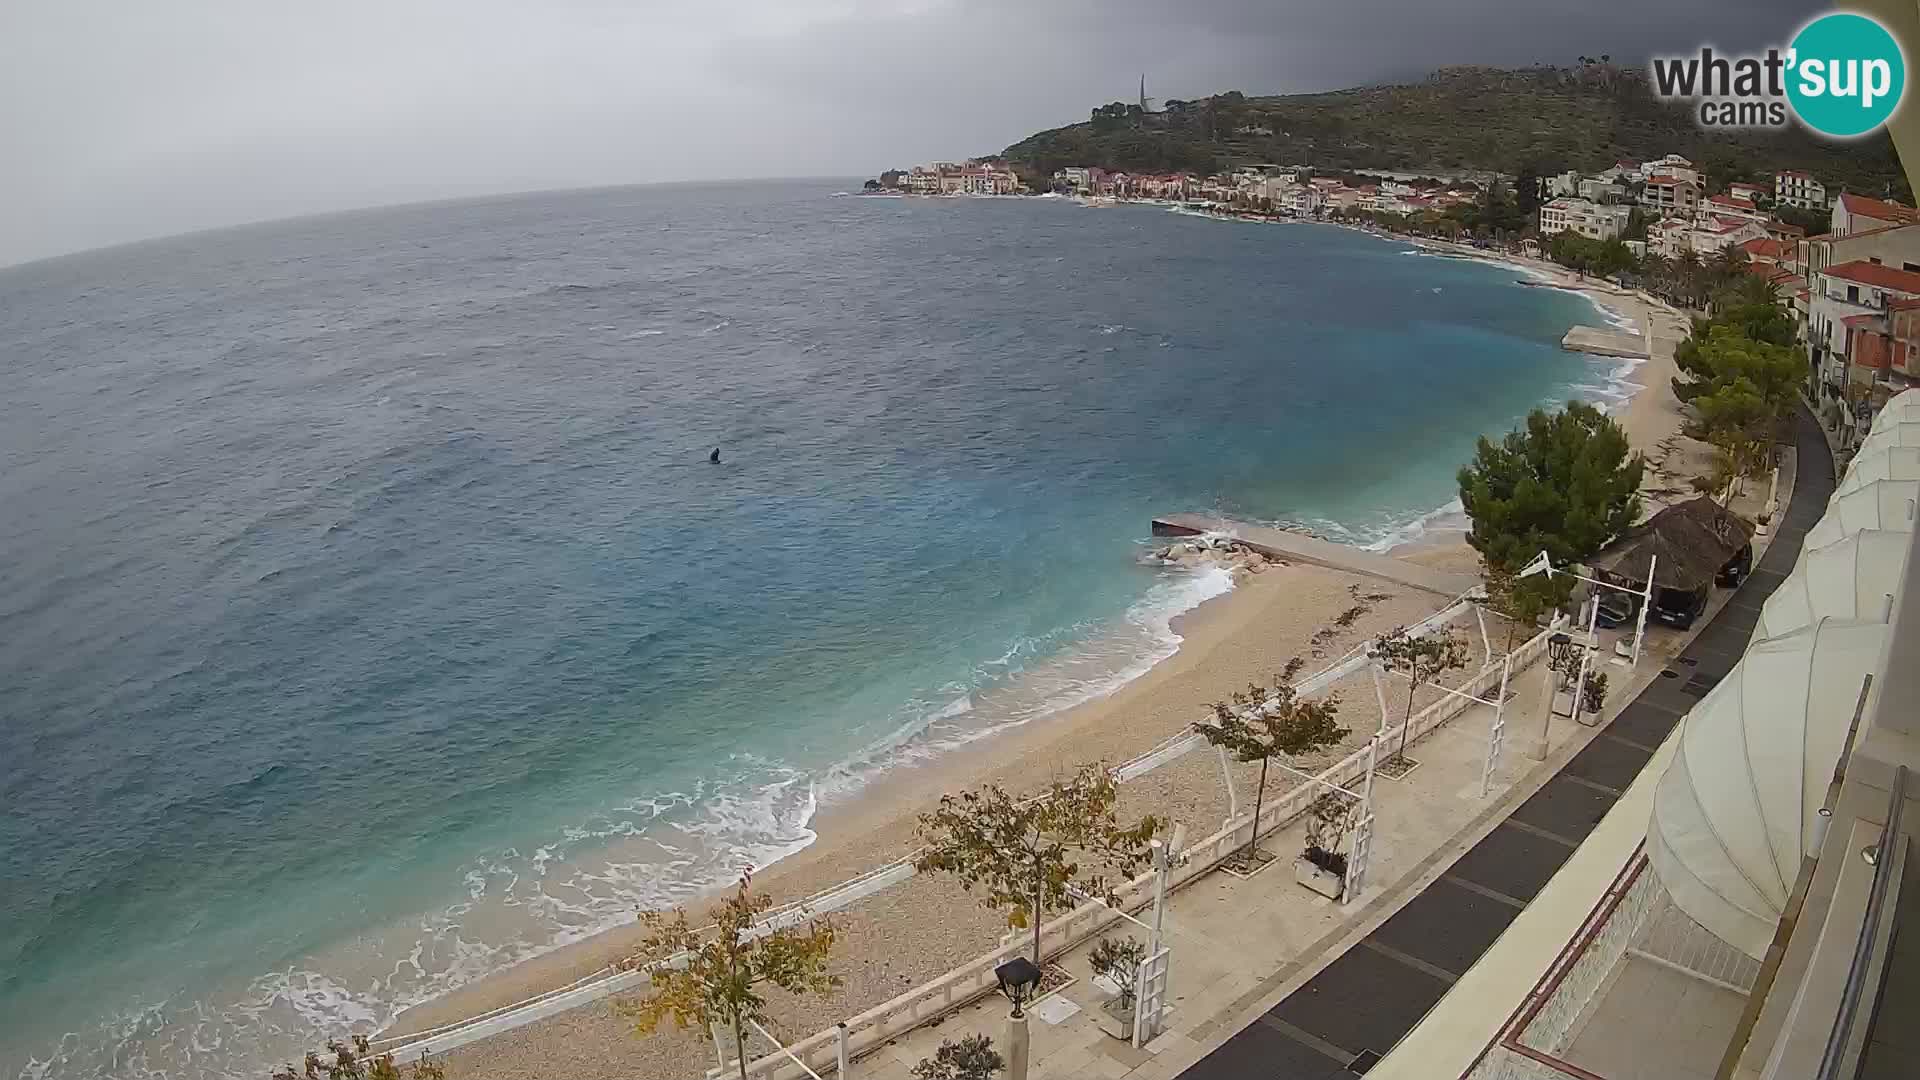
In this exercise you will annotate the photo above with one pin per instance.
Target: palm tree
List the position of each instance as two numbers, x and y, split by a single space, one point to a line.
1689 279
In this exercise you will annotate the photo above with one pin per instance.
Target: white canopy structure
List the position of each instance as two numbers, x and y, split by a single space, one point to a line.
1739 804
1901 408
1879 504
1888 433
1886 463
1853 578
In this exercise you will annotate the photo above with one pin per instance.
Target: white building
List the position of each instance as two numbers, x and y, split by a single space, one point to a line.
1582 217
1675 236
1844 291
1671 165
1858 213
1791 187
1729 205
1567 183
1600 190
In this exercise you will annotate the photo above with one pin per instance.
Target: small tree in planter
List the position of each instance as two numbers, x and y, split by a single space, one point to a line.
1594 697
724 969
971 1058
1025 854
1261 721
1520 600
1119 960
1422 659
1323 866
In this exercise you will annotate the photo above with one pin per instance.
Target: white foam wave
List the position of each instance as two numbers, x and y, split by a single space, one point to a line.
1388 534
1102 660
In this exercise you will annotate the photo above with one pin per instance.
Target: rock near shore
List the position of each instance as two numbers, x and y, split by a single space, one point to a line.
1212 551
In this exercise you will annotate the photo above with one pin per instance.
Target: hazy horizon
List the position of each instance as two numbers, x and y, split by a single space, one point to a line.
135 123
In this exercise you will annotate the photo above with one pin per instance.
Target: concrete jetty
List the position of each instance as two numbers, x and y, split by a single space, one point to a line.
1299 547
1593 339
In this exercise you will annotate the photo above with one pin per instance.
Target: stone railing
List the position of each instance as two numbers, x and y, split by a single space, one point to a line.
975 979
970 981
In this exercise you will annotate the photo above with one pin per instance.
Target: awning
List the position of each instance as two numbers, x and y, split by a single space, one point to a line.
1739 805
1901 408
1850 578
1881 504
1884 434
1886 463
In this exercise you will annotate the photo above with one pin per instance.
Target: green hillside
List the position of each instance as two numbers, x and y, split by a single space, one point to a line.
1458 119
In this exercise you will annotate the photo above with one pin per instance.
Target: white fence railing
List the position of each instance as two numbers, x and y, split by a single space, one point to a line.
975 979
970 981
1672 939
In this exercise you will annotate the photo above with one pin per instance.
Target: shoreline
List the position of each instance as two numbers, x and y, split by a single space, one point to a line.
1224 641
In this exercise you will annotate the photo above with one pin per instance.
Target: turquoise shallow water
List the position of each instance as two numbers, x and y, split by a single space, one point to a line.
371 616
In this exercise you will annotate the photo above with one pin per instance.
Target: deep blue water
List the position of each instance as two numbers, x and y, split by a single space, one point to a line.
370 614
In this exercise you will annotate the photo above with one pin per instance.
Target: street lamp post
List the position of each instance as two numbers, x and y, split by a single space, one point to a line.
1019 979
1559 650
1543 564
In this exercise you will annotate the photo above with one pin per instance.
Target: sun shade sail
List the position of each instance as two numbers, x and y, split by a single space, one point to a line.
1737 807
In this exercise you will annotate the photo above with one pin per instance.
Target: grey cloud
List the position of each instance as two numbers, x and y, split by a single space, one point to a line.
122 121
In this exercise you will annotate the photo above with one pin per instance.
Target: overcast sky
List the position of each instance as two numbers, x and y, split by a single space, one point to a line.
123 119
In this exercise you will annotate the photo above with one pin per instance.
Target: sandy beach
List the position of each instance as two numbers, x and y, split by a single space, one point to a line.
916 931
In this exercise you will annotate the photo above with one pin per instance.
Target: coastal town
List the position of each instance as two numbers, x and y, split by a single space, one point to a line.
1846 265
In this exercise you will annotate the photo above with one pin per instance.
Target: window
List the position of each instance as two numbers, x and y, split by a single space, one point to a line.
1874 259
1853 294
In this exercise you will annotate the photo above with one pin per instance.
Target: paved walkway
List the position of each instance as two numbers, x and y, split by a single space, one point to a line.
1350 1014
1299 547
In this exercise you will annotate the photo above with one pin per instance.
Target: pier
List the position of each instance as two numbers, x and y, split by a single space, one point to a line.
1299 547
1593 339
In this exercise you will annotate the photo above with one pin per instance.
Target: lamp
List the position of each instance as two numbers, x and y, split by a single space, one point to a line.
1018 978
1560 652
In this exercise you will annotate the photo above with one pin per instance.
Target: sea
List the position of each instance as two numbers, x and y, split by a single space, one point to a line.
372 616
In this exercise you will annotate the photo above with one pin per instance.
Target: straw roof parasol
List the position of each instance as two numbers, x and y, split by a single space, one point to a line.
1687 544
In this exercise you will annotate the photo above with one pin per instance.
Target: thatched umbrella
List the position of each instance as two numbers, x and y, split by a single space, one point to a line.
1687 545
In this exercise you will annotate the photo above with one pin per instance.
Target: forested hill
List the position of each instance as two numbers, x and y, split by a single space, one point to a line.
1458 119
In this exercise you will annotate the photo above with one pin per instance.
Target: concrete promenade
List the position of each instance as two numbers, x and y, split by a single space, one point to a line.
1299 547
1354 1011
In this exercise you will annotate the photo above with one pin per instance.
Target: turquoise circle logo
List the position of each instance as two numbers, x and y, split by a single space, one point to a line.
1848 74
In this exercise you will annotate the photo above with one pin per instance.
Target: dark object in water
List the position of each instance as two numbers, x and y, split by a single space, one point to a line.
715 456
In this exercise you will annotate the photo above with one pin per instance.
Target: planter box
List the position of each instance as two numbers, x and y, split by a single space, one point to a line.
1115 1021
1237 865
1325 882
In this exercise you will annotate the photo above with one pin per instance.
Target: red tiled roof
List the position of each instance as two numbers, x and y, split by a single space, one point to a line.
1877 209
1907 304
1794 172
1765 247
1728 200
1870 273
1786 227
1858 320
